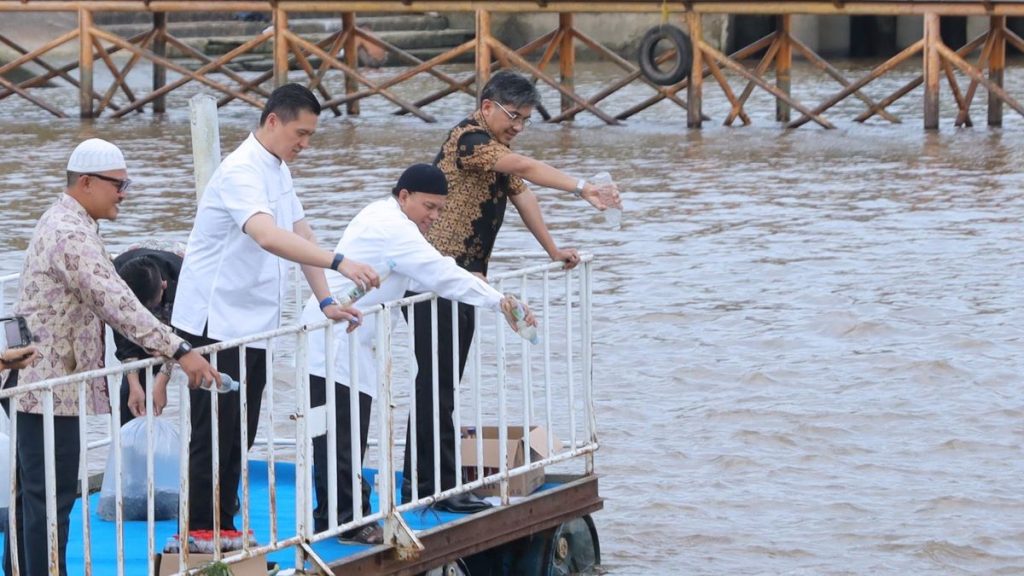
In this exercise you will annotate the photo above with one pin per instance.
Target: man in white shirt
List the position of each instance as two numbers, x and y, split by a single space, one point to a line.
249 226
388 233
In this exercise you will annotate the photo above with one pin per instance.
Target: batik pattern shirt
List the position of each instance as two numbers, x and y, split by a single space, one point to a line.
68 289
477 195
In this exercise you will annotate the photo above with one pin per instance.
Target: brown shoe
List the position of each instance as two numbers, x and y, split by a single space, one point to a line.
371 534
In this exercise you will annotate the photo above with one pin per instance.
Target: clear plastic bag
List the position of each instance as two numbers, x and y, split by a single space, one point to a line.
133 471
613 215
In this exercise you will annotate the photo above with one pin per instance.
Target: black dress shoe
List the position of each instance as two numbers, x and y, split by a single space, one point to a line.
467 503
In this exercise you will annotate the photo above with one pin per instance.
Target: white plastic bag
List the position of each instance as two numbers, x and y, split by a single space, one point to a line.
133 473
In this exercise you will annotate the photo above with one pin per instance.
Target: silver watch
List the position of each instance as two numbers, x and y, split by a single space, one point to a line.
578 191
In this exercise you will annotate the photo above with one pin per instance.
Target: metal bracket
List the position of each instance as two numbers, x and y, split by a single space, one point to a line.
398 534
318 562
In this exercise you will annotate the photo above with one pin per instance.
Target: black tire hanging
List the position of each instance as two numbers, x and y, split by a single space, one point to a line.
680 65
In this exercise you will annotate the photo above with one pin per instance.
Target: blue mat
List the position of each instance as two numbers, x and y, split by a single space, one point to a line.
104 547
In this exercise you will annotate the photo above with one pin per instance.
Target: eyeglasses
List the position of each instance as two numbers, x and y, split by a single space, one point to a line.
122 185
515 117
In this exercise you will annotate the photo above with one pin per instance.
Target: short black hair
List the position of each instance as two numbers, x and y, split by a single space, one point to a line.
509 87
142 274
288 100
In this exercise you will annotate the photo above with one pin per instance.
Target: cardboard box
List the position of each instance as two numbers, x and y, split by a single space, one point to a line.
522 485
168 564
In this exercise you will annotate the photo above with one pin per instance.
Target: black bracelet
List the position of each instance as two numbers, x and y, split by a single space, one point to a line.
338 258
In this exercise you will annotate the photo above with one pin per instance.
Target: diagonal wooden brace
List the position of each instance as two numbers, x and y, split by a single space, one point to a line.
762 67
742 53
187 74
963 118
977 75
324 56
909 86
874 74
742 71
831 70
421 67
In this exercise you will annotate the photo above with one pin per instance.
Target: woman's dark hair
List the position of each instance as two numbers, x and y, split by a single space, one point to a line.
508 87
143 276
288 100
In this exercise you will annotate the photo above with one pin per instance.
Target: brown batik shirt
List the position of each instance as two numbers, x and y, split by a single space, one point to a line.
68 290
477 195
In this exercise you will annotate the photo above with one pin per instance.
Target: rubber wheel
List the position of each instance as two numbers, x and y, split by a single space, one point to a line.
574 549
649 50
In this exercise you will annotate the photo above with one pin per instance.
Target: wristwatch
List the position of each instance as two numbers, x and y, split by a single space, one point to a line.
578 191
183 349
337 261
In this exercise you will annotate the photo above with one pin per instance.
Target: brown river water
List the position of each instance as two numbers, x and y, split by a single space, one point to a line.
808 343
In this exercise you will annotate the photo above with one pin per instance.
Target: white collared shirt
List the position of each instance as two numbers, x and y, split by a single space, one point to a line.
228 284
382 232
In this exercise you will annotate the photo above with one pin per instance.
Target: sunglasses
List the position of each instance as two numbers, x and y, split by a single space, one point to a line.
122 185
515 117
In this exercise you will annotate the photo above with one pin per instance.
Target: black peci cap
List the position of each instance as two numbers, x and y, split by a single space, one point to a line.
422 178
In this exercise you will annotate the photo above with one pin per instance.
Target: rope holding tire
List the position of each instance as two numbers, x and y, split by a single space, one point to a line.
680 65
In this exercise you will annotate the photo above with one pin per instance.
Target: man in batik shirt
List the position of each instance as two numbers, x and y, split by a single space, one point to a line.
483 175
68 290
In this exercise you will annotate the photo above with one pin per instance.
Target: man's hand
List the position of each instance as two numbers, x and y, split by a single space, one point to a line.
136 396
602 196
18 358
160 393
363 275
198 370
508 308
569 255
338 313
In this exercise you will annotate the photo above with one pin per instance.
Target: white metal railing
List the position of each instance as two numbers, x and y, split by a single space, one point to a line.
564 359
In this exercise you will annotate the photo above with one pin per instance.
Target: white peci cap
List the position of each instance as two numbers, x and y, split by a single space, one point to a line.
96 155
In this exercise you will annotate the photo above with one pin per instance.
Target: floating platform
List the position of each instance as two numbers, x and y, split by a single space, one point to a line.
446 536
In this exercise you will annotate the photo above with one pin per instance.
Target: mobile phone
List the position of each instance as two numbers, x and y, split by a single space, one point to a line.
16 331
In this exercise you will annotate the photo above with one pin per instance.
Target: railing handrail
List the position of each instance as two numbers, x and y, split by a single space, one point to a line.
576 301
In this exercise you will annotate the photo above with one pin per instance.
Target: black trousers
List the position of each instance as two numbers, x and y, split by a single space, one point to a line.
343 437
200 448
446 395
30 497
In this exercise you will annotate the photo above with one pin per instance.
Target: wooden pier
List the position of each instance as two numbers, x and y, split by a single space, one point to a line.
337 54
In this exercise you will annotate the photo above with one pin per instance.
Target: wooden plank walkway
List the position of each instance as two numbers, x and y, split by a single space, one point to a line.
337 54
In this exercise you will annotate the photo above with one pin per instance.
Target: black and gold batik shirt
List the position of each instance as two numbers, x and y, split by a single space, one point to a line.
477 195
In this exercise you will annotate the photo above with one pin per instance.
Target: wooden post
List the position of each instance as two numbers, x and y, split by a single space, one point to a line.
160 49
932 71
567 59
996 65
85 63
783 66
205 140
483 50
348 28
695 86
280 46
